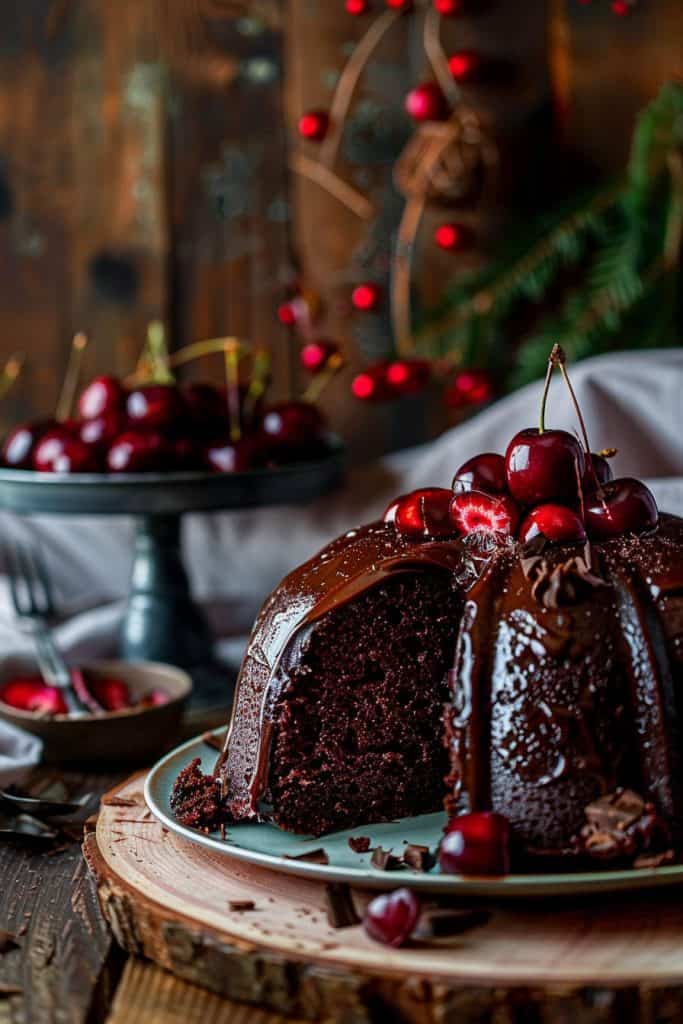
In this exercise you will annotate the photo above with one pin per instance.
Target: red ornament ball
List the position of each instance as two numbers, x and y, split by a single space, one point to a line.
621 8
452 237
286 314
464 65
370 385
356 7
315 354
314 125
400 5
365 297
426 102
407 376
469 387
447 8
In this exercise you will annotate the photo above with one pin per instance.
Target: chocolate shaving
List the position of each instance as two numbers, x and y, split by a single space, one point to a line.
655 860
420 858
241 905
8 942
442 923
212 741
623 825
311 857
120 801
359 844
564 583
384 860
615 811
341 912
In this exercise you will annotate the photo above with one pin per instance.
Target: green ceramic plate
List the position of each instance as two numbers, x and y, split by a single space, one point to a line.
269 847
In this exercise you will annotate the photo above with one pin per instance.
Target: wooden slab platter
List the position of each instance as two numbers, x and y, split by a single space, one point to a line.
262 937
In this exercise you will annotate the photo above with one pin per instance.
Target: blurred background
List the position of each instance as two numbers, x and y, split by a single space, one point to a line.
440 189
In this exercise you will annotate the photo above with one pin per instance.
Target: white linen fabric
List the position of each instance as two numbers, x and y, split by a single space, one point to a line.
633 401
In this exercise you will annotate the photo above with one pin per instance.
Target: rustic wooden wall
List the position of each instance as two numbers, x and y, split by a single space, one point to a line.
132 188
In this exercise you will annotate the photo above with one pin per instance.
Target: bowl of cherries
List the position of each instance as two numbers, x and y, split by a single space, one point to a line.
135 710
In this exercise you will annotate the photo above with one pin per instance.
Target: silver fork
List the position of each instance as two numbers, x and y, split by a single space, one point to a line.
32 599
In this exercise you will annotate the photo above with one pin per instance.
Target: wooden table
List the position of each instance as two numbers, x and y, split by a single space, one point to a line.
68 969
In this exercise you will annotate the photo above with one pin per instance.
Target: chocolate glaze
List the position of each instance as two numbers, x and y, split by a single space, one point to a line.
551 706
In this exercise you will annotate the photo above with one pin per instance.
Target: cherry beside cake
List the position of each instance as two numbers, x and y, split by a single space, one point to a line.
513 644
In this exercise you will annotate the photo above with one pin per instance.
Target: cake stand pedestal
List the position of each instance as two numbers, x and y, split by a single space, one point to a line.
598 961
162 622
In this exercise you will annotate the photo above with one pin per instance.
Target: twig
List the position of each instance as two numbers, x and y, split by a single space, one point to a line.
334 185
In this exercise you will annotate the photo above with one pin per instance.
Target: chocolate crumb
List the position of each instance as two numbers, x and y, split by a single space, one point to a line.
341 912
212 741
441 923
8 942
359 844
241 905
420 858
311 857
384 860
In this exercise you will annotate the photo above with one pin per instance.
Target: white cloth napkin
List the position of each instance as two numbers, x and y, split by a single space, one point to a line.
633 401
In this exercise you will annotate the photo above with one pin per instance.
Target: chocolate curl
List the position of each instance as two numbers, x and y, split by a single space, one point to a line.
260 376
348 80
333 365
10 372
71 377
231 355
437 57
350 197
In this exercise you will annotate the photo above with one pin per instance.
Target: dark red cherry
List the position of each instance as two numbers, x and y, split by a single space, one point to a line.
110 694
206 410
392 508
138 453
102 395
20 444
52 445
76 457
154 407
235 456
292 422
424 513
475 512
482 473
33 694
625 506
543 466
555 522
476 844
102 430
597 468
185 455
391 917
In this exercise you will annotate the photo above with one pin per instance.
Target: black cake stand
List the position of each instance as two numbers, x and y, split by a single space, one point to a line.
162 622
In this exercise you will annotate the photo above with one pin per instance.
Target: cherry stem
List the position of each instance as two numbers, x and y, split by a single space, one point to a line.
71 377
10 372
258 384
157 352
559 358
231 354
546 388
321 380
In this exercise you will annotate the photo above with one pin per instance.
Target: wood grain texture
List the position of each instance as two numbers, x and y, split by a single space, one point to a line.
66 963
167 899
148 995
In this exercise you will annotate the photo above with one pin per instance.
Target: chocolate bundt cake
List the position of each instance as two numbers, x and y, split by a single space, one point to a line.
535 671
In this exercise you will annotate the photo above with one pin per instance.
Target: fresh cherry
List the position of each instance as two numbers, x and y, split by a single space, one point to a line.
185 455
20 444
424 513
61 451
597 468
206 410
235 456
102 395
154 407
476 844
624 506
555 522
110 694
543 466
476 512
33 694
138 453
102 430
482 473
293 429
391 917
392 508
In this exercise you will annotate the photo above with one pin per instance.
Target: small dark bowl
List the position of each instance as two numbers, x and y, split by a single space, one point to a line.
132 735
